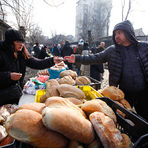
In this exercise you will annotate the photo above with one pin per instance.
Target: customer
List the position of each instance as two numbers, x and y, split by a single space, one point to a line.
127 63
67 51
13 61
36 50
43 53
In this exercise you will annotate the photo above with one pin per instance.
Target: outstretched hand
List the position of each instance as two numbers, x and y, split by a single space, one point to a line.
58 60
70 59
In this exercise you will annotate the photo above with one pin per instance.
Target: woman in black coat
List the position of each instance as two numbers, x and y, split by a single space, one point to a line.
13 61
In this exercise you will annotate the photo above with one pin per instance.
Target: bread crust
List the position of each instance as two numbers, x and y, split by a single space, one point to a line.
105 128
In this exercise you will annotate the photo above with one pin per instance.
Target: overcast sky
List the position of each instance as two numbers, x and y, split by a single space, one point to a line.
62 19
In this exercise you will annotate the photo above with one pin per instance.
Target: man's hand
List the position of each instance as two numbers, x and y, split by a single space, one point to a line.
15 76
70 59
58 60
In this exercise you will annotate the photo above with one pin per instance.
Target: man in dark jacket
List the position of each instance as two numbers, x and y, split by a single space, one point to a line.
36 50
43 53
67 51
128 65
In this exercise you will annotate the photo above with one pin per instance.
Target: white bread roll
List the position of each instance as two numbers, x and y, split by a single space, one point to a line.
106 129
26 126
100 106
38 107
66 91
113 93
66 118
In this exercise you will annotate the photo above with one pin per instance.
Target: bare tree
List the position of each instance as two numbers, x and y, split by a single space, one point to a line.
125 13
21 10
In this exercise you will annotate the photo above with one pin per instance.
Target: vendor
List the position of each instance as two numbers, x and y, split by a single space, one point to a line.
14 58
127 63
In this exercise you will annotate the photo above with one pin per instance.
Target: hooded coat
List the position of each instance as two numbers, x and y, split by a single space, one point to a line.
10 64
112 55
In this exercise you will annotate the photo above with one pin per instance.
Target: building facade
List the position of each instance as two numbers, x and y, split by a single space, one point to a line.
92 19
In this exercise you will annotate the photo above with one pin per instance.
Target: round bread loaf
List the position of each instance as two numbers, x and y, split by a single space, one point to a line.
100 106
71 73
26 126
67 80
113 93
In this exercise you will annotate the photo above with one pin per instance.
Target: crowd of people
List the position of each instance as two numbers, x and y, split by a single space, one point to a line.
127 63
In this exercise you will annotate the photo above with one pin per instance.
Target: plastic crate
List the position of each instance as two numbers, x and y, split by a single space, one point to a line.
137 132
90 93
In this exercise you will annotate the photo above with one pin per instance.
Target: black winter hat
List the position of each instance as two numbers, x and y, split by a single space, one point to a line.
12 35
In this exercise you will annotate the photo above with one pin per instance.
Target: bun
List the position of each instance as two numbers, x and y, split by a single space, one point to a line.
71 73
106 129
100 106
37 107
67 80
26 126
113 93
66 118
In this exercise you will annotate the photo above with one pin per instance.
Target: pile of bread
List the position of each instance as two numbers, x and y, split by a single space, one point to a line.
60 123
69 77
5 112
55 88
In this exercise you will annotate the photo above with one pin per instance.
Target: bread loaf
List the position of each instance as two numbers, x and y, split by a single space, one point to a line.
100 106
82 80
26 126
71 73
113 93
66 118
51 90
67 80
66 91
38 107
125 103
105 128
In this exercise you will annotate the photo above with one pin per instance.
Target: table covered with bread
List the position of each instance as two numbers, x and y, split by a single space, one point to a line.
71 114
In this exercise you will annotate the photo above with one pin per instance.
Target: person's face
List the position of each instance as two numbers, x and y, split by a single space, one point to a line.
18 45
120 38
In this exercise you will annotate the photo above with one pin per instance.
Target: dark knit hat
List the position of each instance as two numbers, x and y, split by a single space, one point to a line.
12 35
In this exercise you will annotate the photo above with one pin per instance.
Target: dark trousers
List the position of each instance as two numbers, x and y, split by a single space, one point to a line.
140 101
